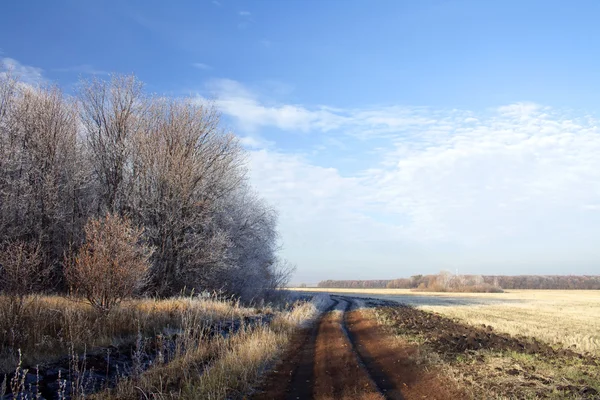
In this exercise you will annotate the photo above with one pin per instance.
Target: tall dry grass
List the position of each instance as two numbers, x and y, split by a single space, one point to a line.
218 367
51 326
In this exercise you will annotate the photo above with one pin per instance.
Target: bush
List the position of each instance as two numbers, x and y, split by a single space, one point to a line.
111 265
21 270
21 273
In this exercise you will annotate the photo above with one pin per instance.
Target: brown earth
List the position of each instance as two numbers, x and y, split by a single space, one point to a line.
392 363
338 373
452 340
348 356
293 377
450 337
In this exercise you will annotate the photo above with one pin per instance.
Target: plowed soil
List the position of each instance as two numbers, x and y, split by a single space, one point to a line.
452 340
392 364
451 337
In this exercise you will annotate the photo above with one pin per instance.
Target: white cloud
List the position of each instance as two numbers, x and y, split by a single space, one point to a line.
241 103
201 66
245 13
83 69
27 74
484 191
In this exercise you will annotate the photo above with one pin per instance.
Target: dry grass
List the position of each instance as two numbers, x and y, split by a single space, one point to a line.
248 354
207 362
220 367
50 327
564 318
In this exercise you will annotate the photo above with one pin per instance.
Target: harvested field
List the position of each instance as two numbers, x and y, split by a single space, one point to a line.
490 364
450 337
562 318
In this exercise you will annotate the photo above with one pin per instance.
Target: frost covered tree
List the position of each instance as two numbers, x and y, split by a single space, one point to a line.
166 165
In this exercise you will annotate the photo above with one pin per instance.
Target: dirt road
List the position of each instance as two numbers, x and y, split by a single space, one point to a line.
346 355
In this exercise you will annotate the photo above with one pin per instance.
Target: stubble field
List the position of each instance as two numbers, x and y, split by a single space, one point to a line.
561 318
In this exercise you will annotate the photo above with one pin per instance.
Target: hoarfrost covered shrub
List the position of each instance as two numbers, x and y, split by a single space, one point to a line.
21 272
111 265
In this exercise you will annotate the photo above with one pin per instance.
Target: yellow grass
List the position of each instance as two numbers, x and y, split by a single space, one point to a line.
220 367
560 317
51 326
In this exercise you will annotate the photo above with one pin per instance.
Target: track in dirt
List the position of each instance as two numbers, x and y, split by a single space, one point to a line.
301 386
346 355
322 364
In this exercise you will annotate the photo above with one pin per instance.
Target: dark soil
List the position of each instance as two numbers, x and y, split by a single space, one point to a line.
392 364
452 340
450 337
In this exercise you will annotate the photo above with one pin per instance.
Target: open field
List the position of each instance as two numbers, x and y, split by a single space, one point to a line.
491 365
559 317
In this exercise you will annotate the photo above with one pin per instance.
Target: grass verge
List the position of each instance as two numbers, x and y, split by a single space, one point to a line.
219 367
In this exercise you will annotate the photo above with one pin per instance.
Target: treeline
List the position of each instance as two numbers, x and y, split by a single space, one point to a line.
163 165
355 284
447 281
442 282
562 282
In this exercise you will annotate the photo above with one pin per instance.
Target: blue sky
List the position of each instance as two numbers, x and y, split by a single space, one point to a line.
394 137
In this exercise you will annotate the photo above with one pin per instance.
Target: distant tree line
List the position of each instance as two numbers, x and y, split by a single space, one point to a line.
447 282
355 284
165 167
563 282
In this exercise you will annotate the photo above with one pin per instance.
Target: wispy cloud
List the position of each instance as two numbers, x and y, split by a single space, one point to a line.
244 105
26 73
246 19
201 66
86 69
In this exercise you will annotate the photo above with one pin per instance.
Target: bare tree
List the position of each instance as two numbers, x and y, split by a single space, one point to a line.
22 272
111 112
167 164
40 169
184 164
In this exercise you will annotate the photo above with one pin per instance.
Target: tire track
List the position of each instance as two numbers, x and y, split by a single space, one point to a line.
338 371
347 355
380 382
301 385
384 384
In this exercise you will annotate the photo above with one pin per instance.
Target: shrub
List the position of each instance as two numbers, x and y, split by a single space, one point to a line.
21 273
21 270
111 265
